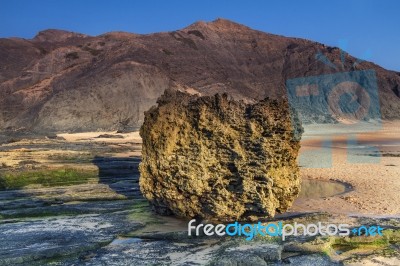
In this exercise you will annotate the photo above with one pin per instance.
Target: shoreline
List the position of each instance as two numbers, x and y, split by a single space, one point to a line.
375 185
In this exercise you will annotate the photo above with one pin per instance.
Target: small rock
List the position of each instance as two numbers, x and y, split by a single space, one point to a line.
253 254
310 260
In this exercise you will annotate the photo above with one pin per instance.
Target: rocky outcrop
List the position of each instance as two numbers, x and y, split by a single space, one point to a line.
63 81
219 159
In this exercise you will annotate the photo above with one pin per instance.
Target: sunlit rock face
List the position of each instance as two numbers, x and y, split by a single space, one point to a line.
219 159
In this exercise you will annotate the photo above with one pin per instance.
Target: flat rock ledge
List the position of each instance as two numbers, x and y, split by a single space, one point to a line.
219 159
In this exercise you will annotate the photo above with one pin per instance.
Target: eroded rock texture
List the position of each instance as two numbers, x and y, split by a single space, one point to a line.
219 159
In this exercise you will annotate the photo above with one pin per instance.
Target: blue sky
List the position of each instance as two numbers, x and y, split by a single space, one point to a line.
368 29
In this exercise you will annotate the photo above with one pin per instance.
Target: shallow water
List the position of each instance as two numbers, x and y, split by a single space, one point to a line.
125 240
312 189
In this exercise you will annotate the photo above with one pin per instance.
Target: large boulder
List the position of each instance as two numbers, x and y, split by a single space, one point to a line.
219 159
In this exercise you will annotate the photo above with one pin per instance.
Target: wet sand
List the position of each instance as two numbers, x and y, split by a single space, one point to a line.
374 175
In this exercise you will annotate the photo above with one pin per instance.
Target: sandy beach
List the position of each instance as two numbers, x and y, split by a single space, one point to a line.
374 180
374 176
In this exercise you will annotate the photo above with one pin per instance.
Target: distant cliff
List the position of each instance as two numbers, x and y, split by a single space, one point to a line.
63 81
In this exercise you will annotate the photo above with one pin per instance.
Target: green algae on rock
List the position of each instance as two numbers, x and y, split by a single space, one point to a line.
219 159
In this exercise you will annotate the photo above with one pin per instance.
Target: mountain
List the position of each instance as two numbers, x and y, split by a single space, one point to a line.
65 81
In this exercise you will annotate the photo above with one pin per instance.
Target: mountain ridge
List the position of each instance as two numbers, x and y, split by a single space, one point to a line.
66 81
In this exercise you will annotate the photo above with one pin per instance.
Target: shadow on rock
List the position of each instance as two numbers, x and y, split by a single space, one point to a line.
120 173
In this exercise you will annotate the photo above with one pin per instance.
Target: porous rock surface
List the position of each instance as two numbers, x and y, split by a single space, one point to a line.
219 159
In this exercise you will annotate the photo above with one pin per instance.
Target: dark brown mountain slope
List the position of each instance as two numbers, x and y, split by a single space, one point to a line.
63 81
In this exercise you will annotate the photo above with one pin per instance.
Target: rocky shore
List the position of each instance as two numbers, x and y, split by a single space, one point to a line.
107 221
